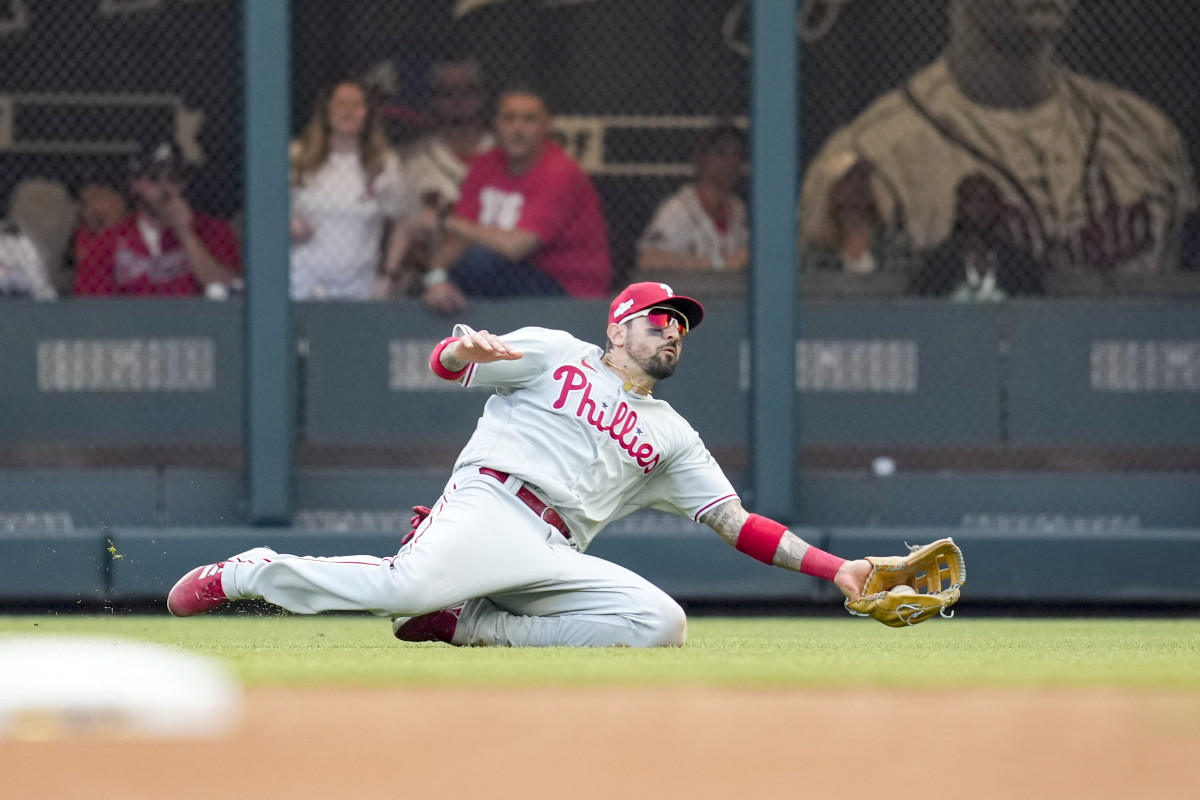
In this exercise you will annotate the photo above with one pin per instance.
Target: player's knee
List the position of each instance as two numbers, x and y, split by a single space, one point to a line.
668 626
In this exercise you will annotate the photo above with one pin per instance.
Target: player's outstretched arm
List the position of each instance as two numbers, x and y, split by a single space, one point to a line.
477 347
772 543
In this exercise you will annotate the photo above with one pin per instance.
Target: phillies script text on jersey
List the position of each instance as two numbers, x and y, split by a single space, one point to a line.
620 427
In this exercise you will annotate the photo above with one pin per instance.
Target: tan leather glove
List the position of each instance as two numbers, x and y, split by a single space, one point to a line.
905 590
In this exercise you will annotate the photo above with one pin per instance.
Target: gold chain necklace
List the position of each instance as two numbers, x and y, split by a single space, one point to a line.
630 383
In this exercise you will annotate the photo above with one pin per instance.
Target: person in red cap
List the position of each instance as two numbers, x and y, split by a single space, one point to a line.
571 440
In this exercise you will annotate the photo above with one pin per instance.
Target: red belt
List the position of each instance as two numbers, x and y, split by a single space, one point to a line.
546 513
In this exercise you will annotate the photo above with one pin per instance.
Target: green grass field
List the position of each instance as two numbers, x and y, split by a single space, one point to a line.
790 652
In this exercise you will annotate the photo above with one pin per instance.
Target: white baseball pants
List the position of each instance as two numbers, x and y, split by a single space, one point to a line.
521 581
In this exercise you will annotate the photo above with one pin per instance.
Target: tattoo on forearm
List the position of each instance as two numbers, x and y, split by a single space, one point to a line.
727 520
791 552
452 362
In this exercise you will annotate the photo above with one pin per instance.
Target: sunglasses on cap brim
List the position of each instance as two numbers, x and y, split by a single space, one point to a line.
662 316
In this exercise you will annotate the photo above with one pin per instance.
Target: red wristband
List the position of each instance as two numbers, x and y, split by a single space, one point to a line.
759 538
820 564
435 361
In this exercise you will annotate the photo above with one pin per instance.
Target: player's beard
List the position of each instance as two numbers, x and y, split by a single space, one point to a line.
658 365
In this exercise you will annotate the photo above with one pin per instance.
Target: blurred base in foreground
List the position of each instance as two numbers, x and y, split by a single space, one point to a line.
66 687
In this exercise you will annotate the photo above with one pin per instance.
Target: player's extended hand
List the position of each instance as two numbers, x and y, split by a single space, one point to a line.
851 577
481 347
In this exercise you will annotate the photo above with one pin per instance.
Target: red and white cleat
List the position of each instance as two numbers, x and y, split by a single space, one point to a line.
437 626
201 591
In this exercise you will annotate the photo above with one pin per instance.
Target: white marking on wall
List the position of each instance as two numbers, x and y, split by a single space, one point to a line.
872 366
340 521
869 366
1002 522
126 365
36 522
408 367
1145 366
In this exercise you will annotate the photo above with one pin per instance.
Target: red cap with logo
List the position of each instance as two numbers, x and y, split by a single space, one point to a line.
640 296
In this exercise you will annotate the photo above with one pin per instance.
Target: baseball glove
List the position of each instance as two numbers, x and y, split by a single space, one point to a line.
936 572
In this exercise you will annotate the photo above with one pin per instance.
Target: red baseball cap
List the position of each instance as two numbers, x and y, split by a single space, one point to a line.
640 296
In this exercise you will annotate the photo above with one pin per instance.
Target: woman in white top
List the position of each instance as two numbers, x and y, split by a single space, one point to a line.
703 225
347 190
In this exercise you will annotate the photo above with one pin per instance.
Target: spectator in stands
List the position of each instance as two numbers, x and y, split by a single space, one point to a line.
41 215
528 221
347 191
165 248
1061 171
22 270
703 225
976 261
101 206
436 164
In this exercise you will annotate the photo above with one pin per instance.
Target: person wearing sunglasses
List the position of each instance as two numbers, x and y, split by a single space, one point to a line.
571 440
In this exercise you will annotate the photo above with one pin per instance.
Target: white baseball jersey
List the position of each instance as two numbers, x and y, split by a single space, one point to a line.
348 215
562 422
1093 179
562 425
681 225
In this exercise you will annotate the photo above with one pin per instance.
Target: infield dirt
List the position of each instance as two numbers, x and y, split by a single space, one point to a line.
695 743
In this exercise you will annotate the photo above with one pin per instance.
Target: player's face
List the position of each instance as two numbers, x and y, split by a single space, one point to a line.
522 124
347 110
655 348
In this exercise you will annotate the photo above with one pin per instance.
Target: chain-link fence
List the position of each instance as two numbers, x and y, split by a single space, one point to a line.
113 406
967 150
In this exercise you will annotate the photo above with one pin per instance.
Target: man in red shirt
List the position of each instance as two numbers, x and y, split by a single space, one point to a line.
164 248
528 221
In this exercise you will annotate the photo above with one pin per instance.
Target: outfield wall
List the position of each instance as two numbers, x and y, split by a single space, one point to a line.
1057 441
134 565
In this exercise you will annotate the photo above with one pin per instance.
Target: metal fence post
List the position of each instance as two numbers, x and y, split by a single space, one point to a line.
270 395
774 145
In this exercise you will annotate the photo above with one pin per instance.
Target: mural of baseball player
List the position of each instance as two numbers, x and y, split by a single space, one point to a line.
571 440
997 165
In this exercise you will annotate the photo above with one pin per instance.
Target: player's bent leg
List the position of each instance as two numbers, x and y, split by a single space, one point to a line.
592 603
483 622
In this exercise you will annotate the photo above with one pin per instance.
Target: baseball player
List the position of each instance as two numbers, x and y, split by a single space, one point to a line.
1085 176
571 439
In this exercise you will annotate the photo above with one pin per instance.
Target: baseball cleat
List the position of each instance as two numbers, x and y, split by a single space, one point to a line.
201 590
437 626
